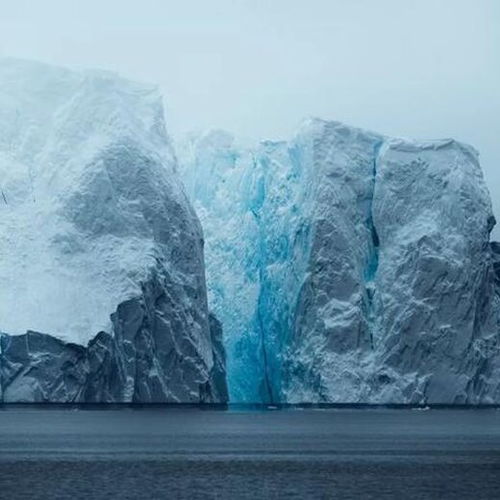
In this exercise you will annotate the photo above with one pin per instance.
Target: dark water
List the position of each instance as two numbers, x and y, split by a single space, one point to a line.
191 453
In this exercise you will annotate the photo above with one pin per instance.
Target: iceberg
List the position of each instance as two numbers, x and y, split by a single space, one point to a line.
342 265
346 266
103 292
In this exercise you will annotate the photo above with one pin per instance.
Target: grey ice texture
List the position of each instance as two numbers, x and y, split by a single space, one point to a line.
347 266
103 295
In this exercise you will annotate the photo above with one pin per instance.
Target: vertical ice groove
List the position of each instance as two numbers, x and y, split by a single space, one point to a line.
257 241
373 254
266 391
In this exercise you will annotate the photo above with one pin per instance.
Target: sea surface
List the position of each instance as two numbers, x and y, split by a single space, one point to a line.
243 452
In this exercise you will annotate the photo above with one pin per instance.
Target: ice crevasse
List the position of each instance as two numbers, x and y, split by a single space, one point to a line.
346 266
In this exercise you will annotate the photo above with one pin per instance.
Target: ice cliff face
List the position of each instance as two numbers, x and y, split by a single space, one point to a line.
349 267
343 266
97 237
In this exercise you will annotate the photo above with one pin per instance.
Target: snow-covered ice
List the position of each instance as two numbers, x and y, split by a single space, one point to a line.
94 223
75 236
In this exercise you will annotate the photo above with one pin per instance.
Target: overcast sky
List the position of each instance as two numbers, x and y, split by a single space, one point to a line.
427 68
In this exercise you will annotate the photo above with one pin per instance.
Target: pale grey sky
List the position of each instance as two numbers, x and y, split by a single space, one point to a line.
427 68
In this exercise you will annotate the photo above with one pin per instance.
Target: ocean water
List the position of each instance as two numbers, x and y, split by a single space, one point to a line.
242 452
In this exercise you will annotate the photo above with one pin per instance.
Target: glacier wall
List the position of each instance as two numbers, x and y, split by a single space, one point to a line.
346 266
97 238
